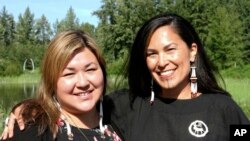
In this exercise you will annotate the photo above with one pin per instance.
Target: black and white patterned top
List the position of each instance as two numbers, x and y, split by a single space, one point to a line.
81 134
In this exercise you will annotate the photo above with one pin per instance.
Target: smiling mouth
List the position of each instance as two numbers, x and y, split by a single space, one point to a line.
83 93
166 73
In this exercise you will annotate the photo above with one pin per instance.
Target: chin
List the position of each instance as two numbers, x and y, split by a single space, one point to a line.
168 85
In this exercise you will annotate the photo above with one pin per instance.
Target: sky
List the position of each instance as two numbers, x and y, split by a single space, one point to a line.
54 9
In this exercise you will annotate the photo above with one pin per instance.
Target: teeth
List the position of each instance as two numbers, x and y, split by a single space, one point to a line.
166 72
83 94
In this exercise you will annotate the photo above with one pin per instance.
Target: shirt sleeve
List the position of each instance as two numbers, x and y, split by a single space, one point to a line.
30 133
116 111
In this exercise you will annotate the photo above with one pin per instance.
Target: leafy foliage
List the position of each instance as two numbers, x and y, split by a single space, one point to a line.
220 24
223 27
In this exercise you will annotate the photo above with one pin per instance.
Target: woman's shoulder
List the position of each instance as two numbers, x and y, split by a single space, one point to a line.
227 105
119 94
116 102
220 99
118 98
110 132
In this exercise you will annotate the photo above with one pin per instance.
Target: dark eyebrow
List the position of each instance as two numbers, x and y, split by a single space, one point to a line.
166 46
87 65
68 68
169 45
91 63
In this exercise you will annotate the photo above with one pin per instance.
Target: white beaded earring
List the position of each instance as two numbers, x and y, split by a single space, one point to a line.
152 92
193 80
69 132
102 128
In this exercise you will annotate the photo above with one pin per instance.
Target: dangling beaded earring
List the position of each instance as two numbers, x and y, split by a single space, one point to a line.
193 80
102 128
69 132
152 93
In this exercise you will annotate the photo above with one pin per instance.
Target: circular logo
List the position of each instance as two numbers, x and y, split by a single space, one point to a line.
198 128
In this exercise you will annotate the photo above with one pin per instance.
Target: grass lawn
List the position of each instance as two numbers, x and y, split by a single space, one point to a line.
240 91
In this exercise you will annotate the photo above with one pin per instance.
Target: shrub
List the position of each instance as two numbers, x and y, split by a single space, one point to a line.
13 69
237 72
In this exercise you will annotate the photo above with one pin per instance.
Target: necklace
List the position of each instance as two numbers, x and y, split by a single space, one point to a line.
70 135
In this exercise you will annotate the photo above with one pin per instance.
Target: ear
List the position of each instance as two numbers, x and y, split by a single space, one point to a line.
193 52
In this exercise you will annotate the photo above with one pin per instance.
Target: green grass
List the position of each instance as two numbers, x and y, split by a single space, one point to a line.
239 89
27 77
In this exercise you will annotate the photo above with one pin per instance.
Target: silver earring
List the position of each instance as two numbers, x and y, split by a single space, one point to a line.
102 128
69 132
152 92
193 80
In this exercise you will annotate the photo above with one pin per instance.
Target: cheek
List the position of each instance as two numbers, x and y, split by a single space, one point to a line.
100 81
178 59
97 79
181 57
65 85
183 61
151 63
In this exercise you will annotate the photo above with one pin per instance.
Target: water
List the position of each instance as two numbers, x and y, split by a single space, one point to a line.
11 94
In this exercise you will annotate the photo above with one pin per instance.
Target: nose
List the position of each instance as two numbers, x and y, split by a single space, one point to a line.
163 60
82 81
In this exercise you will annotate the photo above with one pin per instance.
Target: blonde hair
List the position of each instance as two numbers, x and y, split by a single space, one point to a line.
60 50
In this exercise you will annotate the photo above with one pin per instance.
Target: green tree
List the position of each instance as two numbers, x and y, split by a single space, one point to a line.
69 22
243 9
25 27
119 22
43 31
224 40
7 27
89 28
220 25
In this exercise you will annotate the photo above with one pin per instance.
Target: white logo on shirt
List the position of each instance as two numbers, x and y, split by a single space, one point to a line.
198 128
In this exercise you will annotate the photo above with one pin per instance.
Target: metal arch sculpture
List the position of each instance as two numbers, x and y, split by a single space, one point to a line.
29 93
25 63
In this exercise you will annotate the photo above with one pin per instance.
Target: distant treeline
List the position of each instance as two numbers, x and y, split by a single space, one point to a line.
223 26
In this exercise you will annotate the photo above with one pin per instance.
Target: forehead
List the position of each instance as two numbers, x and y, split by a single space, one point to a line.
164 35
83 56
166 30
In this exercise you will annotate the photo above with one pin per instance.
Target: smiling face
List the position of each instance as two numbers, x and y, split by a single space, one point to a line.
81 83
168 59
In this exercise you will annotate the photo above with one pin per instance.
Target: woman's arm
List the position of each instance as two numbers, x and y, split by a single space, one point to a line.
16 115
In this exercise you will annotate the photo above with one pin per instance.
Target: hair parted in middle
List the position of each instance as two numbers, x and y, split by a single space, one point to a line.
59 52
139 78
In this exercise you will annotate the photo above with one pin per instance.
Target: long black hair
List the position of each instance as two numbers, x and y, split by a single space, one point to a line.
139 78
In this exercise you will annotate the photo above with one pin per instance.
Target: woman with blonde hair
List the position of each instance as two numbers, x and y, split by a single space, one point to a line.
69 98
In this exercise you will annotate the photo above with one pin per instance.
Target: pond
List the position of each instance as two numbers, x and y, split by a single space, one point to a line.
11 94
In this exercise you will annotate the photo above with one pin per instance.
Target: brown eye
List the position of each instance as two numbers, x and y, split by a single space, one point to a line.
171 48
151 54
68 74
92 69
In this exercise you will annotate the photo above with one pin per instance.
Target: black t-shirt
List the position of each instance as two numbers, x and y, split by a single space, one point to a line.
207 117
30 133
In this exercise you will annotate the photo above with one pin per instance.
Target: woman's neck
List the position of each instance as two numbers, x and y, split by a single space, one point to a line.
179 92
84 120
